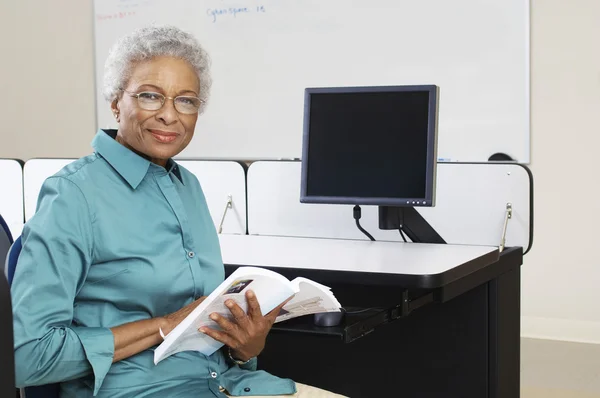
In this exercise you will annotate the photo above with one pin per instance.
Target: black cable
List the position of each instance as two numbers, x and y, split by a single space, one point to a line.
357 215
364 231
402 233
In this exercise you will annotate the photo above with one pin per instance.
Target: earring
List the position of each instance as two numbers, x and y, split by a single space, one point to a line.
117 115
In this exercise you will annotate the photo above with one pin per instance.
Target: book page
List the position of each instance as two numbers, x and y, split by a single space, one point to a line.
271 290
312 298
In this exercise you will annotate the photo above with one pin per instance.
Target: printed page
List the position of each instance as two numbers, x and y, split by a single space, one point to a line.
312 298
271 289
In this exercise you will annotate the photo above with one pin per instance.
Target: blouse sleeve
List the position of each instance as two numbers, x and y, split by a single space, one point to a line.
53 264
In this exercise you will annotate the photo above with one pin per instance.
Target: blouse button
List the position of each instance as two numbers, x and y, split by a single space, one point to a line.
191 254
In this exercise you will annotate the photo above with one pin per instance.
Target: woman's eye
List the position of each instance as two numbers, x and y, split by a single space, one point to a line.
149 96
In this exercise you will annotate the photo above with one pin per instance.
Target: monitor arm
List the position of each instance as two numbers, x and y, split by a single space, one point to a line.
410 221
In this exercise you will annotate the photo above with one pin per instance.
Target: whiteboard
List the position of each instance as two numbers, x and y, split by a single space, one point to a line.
217 178
470 206
266 52
11 197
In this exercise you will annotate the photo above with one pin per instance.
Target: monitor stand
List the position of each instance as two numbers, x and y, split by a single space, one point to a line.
410 221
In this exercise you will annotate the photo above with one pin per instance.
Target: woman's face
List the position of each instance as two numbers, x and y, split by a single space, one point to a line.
157 134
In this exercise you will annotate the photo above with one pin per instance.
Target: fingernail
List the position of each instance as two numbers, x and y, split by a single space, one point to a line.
229 303
214 317
250 293
203 330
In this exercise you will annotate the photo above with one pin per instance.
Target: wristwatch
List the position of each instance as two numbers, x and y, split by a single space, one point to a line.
237 361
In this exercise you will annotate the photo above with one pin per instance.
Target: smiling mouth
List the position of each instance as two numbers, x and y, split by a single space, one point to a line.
164 137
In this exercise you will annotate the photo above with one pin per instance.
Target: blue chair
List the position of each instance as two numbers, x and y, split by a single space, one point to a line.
7 350
45 391
6 240
11 259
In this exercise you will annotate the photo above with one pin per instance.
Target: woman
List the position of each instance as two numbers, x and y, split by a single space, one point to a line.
122 245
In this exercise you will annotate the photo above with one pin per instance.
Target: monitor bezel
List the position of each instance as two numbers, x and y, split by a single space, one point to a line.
432 132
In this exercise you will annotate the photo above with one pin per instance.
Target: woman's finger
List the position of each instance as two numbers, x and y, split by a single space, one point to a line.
238 313
222 337
254 311
223 322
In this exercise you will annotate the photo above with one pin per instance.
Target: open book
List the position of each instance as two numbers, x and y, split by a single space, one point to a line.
271 290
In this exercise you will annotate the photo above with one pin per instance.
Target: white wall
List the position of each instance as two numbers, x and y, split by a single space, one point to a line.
47 51
46 78
561 277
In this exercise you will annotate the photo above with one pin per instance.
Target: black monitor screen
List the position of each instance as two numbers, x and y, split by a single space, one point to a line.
370 145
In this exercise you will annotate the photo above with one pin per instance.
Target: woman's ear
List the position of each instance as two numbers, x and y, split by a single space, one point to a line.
114 106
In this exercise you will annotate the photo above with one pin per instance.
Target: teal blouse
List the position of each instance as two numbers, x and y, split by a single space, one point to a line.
117 239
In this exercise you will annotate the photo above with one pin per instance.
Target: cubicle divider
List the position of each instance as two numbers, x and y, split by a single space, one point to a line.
224 186
220 181
473 203
11 194
477 203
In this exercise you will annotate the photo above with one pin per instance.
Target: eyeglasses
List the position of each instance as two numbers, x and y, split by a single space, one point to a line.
152 101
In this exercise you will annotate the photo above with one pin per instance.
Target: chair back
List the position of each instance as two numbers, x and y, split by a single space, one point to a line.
7 349
11 260
47 391
6 241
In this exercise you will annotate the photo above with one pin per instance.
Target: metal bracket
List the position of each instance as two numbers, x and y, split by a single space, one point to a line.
404 307
407 305
228 206
383 316
507 216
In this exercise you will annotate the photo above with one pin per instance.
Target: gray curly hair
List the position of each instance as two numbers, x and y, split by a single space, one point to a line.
150 42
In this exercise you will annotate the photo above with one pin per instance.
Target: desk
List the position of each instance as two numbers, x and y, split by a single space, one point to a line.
441 320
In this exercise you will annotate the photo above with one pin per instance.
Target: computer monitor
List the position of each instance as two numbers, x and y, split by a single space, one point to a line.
371 146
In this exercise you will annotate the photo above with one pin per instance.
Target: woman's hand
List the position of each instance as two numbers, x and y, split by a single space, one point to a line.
170 321
246 333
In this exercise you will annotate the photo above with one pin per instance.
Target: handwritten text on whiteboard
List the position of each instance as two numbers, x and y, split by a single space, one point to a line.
215 14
